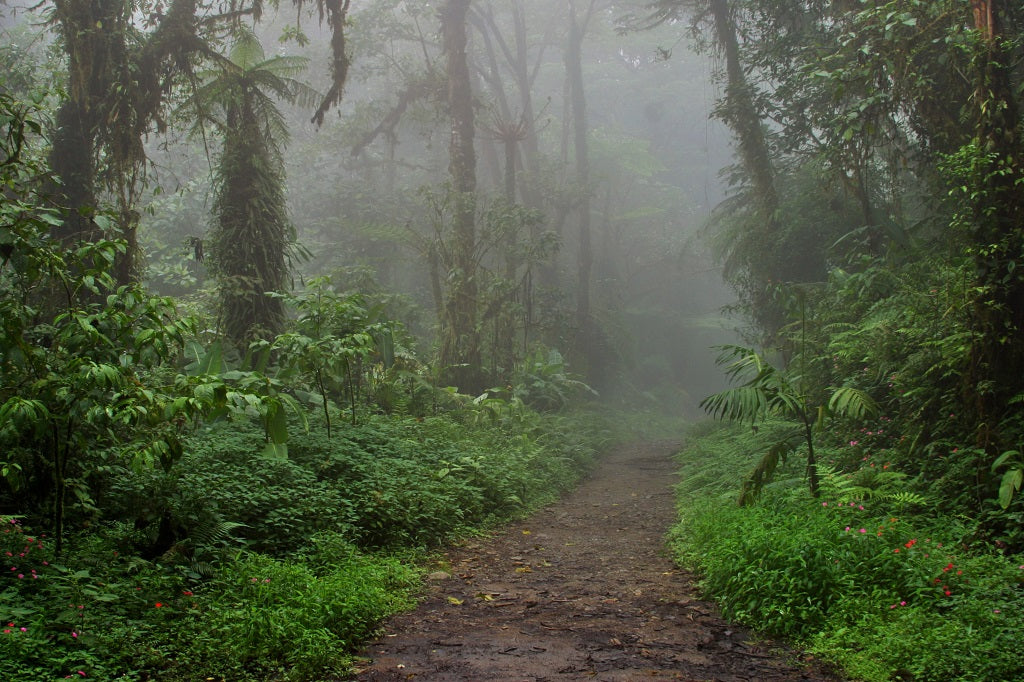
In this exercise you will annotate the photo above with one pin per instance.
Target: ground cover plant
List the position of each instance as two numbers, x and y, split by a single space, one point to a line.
247 566
866 574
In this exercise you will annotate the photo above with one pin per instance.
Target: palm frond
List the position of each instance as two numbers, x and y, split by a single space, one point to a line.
764 470
743 403
852 402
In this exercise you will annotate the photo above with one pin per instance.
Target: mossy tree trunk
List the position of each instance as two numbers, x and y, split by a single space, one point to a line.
996 354
252 232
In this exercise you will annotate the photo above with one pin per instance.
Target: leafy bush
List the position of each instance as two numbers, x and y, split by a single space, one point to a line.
853 574
111 616
264 617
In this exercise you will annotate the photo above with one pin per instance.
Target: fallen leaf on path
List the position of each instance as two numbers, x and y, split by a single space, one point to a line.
455 601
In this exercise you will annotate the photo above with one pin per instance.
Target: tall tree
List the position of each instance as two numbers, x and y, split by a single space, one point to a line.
578 106
460 339
118 77
120 73
996 356
739 112
251 234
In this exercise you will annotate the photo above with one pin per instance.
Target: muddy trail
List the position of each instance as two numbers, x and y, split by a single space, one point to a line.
582 590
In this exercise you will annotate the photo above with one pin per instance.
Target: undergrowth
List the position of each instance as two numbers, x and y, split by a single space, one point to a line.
865 575
233 564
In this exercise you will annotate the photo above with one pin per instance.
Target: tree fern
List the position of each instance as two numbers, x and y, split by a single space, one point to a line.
252 237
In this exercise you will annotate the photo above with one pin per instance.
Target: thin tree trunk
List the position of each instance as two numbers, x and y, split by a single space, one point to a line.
578 102
460 338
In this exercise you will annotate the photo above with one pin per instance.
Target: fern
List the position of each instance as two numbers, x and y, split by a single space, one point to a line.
214 532
852 402
838 486
903 499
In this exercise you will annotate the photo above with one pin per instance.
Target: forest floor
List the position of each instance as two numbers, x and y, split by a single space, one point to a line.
582 590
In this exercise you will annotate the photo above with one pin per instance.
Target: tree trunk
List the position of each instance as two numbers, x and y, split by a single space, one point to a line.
107 112
460 338
91 41
996 356
578 102
741 115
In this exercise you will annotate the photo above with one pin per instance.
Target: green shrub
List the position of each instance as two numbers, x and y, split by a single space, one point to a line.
266 616
887 593
192 608
255 617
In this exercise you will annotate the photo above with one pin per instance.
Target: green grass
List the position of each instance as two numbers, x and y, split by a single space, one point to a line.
271 568
885 589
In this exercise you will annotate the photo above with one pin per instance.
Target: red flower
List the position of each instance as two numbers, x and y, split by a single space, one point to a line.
157 605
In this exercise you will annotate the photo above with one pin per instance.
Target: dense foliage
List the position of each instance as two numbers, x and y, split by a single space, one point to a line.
172 509
912 304
874 239
869 574
187 476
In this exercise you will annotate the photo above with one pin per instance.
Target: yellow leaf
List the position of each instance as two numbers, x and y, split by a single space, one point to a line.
453 600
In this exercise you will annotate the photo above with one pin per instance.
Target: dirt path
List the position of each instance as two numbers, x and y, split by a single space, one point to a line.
582 590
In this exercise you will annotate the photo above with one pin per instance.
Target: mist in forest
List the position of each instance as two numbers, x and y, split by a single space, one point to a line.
597 166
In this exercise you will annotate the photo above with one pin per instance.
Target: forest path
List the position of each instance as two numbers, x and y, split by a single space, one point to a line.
581 590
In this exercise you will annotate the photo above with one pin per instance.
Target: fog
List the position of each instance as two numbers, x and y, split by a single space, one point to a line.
368 190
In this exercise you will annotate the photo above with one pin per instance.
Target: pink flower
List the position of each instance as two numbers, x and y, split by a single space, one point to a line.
863 530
